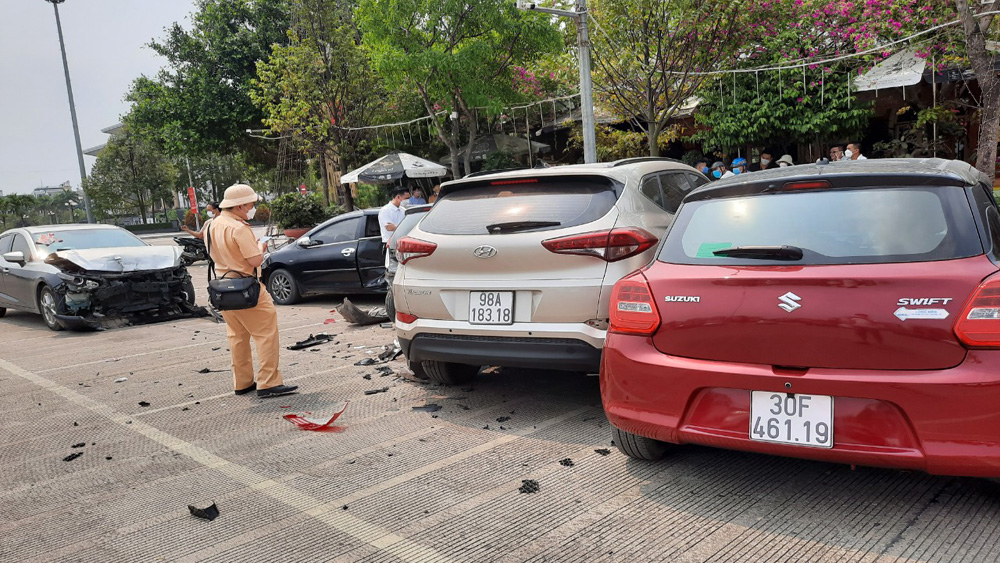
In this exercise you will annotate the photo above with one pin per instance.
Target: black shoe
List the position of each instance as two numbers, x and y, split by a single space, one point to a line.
276 391
253 387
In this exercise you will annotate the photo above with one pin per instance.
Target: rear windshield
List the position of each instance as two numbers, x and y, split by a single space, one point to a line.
51 241
830 227
520 208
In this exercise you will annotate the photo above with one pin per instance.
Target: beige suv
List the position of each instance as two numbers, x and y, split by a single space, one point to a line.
516 268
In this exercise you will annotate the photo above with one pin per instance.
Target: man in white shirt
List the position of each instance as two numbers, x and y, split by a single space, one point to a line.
853 152
392 213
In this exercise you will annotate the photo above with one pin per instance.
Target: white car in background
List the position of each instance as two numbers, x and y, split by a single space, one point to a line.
516 268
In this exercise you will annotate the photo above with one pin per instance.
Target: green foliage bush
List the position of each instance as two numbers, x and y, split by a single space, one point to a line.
294 210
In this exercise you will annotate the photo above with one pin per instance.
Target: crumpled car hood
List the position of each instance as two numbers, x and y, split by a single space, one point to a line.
118 260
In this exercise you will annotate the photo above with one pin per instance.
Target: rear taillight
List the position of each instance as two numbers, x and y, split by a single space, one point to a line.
405 318
611 246
979 324
409 248
633 310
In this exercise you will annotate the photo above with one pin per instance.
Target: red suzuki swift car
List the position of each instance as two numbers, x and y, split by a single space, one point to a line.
845 312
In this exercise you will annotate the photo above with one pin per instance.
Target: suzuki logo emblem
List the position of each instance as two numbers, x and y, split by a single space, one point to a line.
484 251
789 302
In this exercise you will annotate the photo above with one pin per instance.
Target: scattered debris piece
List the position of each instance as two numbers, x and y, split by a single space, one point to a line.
503 419
357 316
210 513
313 340
431 407
217 348
317 425
207 370
487 427
80 445
76 424
463 407
603 451
329 321
108 458
121 380
143 404
384 371
344 507
390 353
529 486
374 391
368 376
386 325
366 362
72 456
566 462
314 349
186 409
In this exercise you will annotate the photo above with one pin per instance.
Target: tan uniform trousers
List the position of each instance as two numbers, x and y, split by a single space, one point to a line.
261 324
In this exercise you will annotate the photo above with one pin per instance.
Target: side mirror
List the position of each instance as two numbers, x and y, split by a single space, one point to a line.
304 242
16 257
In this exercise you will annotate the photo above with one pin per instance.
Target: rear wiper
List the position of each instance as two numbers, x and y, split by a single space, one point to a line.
762 252
519 226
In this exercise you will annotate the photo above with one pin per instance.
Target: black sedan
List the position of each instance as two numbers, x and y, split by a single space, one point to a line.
343 255
79 276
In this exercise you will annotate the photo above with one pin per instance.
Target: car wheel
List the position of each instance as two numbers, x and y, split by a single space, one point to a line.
390 305
189 290
47 305
448 373
639 447
2 312
283 288
418 369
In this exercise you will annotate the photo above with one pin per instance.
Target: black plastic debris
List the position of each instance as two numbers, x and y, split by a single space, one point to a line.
109 458
80 445
343 507
603 451
390 354
143 404
432 407
313 340
374 391
186 409
76 424
529 486
566 462
72 456
464 407
384 371
357 316
503 419
210 513
366 362
217 348
367 376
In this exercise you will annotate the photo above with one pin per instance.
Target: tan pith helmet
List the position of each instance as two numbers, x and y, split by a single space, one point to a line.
238 194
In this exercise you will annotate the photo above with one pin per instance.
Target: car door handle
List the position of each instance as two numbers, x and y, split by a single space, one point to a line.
347 251
6 270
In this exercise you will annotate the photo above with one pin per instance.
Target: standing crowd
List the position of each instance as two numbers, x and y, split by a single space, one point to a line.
739 165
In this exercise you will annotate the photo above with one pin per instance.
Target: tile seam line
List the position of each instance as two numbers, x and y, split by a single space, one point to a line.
350 525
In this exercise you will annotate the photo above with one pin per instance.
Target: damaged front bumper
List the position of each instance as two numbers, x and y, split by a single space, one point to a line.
88 299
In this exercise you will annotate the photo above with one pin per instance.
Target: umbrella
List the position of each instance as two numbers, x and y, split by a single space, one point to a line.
392 167
515 146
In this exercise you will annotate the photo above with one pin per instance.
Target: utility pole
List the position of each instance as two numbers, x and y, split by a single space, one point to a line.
586 87
72 112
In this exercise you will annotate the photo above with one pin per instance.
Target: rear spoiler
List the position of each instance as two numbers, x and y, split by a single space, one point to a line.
547 180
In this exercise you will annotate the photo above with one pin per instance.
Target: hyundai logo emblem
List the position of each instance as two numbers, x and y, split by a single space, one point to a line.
484 251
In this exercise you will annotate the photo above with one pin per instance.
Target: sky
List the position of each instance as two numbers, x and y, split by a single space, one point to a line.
106 48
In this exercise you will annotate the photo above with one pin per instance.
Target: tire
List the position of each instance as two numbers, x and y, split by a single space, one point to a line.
189 290
282 287
47 304
390 305
448 373
639 447
418 369
2 312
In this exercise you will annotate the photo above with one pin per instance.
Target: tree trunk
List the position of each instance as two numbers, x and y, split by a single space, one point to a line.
348 196
652 135
473 133
325 180
982 63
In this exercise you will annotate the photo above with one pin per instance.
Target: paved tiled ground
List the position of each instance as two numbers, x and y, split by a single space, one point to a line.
399 485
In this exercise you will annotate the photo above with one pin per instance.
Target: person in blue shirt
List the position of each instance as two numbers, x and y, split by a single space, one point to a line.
417 198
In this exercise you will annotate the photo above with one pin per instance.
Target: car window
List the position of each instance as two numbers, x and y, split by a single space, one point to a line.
21 245
527 206
341 231
50 241
697 179
651 188
371 226
675 186
871 225
5 242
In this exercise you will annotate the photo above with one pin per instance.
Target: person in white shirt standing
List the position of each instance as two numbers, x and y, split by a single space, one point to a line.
392 213
853 152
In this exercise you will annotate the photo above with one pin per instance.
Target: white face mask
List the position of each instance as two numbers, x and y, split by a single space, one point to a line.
765 161
782 164
848 153
210 213
251 213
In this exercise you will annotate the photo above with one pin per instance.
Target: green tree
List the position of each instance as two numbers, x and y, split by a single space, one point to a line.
200 103
319 86
977 31
648 54
457 55
130 175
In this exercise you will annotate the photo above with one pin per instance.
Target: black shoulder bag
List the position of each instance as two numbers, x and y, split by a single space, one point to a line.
230 294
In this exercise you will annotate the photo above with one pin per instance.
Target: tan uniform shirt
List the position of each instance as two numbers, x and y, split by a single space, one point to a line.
232 244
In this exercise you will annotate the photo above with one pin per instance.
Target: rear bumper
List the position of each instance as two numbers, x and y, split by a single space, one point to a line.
943 422
571 346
